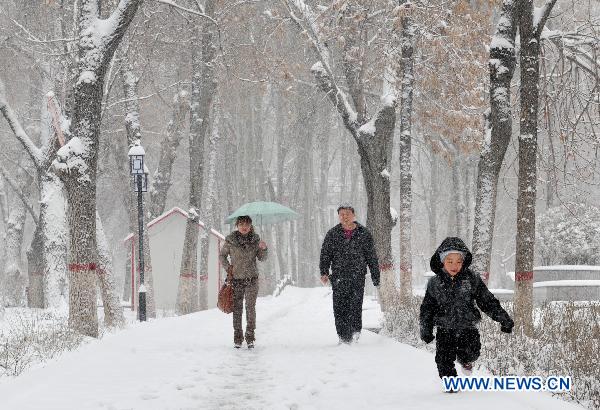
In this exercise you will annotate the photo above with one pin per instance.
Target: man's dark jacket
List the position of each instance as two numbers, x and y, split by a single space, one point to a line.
450 302
349 259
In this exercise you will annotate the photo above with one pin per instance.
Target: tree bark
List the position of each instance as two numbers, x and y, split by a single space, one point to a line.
373 150
530 32
406 110
35 269
433 202
204 84
54 236
77 161
113 312
304 164
497 133
374 140
12 279
161 180
47 268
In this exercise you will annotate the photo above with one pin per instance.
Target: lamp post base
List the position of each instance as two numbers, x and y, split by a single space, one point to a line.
142 306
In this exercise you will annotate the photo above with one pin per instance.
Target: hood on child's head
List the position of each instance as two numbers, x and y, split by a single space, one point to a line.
451 243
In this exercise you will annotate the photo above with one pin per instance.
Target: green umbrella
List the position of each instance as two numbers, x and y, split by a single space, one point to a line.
263 213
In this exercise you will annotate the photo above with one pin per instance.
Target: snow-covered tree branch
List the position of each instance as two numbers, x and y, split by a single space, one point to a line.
13 122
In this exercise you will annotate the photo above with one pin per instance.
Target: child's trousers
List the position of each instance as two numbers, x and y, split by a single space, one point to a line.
463 345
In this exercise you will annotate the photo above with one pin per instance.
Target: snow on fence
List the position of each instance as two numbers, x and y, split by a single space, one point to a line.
166 234
565 283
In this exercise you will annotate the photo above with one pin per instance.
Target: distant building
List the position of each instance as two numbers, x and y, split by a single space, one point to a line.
166 234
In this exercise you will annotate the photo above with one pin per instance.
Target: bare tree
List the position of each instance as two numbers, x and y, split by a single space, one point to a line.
530 29
161 180
407 82
12 277
47 268
373 135
497 133
76 162
204 84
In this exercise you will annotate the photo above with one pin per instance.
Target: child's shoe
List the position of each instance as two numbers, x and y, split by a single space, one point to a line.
466 368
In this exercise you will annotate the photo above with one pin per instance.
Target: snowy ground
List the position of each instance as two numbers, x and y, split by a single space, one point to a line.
189 363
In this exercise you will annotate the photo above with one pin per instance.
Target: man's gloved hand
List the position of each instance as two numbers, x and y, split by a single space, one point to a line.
507 327
427 337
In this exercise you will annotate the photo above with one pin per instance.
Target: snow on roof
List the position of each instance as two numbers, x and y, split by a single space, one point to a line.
168 214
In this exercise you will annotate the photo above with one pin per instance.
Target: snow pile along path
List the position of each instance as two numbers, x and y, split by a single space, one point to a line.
189 363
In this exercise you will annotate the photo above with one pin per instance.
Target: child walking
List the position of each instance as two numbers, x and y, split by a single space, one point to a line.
449 304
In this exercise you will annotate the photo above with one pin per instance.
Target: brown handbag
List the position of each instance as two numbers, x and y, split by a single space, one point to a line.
225 299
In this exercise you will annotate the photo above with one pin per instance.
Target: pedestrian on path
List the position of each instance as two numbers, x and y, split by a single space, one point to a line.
449 304
243 247
348 250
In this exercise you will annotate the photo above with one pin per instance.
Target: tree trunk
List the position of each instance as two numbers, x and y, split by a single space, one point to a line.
113 312
12 284
187 291
470 181
293 252
373 150
280 246
3 202
81 197
433 202
305 165
54 234
459 225
77 161
406 110
161 180
204 84
324 180
344 154
211 196
529 94
35 269
497 133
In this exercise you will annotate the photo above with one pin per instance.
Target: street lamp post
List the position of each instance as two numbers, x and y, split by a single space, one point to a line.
140 180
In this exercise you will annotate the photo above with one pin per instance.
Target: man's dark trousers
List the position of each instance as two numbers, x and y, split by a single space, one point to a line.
347 305
453 344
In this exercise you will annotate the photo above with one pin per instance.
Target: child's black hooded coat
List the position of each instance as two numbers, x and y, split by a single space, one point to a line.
450 302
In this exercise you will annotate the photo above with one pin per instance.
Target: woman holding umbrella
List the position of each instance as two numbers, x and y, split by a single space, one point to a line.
243 247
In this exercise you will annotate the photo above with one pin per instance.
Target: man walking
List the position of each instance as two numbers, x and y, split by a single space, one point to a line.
348 249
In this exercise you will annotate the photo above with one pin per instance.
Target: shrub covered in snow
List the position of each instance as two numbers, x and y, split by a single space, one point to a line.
569 234
30 337
566 342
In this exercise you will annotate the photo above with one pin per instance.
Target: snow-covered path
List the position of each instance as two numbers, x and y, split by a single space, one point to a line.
189 363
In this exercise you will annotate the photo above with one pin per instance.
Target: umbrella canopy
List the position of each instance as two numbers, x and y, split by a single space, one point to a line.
263 213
